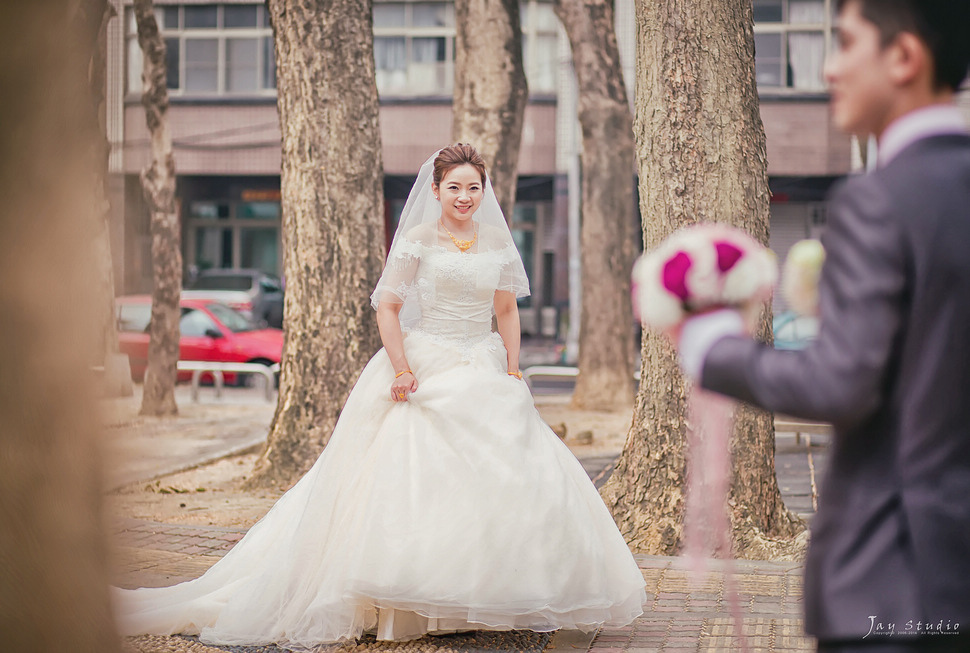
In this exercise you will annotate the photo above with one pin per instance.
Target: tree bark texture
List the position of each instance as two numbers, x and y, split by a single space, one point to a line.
92 22
490 89
333 227
158 184
606 335
701 157
53 542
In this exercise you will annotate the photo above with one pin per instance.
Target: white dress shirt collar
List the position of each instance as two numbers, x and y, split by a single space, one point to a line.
934 120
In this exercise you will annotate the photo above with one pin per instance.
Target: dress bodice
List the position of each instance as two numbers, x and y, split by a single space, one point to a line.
455 291
446 293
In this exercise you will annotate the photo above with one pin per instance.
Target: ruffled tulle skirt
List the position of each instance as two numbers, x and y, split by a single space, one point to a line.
459 509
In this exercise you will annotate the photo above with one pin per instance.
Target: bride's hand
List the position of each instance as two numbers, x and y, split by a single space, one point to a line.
403 386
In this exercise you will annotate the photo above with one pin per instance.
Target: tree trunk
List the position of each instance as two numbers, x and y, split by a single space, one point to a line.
158 184
333 227
606 335
53 543
701 154
92 20
490 89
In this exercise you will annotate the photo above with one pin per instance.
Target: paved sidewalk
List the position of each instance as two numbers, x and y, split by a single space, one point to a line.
680 615
686 615
145 448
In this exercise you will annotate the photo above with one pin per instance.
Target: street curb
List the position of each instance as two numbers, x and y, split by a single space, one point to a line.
251 445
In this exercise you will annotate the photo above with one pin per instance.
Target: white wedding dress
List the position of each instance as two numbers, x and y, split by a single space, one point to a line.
459 509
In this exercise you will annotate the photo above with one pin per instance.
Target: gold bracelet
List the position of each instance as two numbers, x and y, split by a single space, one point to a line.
399 374
517 375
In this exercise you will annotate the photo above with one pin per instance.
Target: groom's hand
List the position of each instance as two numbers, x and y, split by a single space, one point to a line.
696 335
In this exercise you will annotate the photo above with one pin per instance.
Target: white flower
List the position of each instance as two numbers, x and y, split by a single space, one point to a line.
799 281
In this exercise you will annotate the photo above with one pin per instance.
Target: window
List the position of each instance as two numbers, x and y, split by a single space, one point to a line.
234 234
231 318
540 45
195 324
523 227
791 38
211 50
134 318
414 46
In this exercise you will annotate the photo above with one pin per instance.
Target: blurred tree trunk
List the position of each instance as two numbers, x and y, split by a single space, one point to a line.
333 226
92 20
158 183
53 548
701 153
490 89
606 334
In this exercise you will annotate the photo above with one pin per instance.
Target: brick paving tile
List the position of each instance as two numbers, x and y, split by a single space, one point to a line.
230 537
683 612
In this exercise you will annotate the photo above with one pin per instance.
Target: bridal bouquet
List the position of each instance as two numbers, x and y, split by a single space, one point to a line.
695 270
702 268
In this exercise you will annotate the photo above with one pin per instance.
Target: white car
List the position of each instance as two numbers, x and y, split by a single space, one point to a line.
254 293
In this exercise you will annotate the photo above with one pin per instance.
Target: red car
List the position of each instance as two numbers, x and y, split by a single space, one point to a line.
210 331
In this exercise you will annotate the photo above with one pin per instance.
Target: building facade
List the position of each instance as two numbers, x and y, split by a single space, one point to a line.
226 133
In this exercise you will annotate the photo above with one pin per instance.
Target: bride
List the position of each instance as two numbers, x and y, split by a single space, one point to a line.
442 501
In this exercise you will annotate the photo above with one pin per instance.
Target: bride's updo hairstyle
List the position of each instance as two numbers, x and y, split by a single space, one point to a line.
456 155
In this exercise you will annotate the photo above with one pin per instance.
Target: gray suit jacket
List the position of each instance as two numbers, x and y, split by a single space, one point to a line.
891 370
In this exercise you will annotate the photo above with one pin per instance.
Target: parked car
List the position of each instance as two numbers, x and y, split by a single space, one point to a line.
794 331
252 292
210 331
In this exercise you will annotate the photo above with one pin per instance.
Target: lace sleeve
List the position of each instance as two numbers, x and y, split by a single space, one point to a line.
512 277
397 281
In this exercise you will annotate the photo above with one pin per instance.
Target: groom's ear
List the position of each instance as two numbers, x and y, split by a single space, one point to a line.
911 61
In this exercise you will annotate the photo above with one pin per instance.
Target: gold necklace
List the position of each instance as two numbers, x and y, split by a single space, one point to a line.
462 245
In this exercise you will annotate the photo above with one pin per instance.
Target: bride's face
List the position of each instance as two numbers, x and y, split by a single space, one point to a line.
461 193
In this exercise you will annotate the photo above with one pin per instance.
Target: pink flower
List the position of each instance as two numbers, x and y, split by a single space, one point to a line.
675 275
727 255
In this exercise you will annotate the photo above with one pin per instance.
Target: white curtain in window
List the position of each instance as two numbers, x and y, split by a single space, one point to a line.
242 65
134 66
542 72
390 53
390 59
424 71
432 14
806 56
202 65
801 12
806 50
426 50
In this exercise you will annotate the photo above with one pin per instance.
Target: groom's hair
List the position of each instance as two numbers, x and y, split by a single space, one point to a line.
943 25
456 155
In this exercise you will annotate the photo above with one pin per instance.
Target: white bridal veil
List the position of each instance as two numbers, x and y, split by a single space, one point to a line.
419 230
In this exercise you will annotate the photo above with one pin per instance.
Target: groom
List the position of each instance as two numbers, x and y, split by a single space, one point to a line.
888 567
